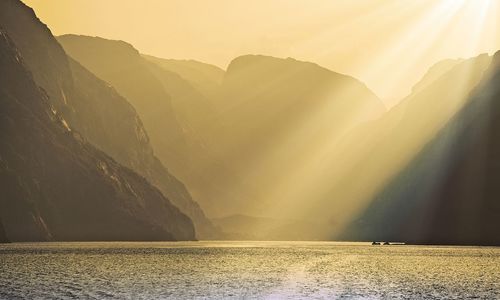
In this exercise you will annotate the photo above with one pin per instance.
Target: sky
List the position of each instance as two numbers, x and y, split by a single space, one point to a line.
387 44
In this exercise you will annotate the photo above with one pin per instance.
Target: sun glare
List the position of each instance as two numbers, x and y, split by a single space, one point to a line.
324 170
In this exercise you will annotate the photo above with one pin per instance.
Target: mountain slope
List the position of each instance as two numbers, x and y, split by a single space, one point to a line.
435 72
363 161
446 195
121 65
224 137
56 186
274 114
172 110
234 137
192 109
89 105
204 77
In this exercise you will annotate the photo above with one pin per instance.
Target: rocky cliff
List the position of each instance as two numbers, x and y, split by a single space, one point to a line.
88 104
56 186
158 96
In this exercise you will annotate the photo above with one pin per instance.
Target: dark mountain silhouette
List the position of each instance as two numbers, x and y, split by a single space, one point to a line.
172 111
89 105
448 193
56 186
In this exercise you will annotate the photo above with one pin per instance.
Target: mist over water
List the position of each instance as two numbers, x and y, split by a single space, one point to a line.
271 270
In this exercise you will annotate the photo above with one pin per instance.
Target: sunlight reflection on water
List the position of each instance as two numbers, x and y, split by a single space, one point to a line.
287 270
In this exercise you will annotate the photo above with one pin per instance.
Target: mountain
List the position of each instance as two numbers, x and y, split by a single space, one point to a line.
355 169
273 114
193 110
435 72
206 78
56 186
89 105
171 110
446 193
233 138
119 64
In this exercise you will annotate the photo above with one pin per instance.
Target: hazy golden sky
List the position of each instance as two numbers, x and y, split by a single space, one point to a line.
388 44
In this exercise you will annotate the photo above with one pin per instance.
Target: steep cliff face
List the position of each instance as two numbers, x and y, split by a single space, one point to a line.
56 186
174 113
44 58
88 104
121 66
447 193
175 143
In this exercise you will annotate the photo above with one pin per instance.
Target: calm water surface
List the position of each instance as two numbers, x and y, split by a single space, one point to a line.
241 270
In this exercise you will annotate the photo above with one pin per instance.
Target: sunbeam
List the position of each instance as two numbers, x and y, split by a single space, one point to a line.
323 164
264 149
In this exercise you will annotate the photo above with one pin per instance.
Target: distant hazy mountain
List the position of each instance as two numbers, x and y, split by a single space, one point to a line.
172 112
234 135
254 130
193 110
56 186
435 72
447 193
88 105
269 113
204 77
273 113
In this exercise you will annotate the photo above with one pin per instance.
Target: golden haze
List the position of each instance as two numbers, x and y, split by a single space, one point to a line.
295 140
377 41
